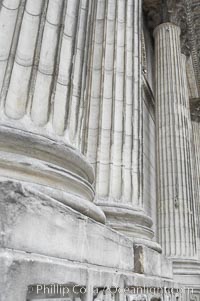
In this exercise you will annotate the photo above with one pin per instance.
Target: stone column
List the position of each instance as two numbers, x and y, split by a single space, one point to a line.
196 139
113 139
42 59
176 204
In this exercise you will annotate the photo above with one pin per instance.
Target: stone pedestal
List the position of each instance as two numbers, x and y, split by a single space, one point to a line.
45 242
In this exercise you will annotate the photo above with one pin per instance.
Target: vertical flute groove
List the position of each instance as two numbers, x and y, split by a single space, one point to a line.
18 90
46 69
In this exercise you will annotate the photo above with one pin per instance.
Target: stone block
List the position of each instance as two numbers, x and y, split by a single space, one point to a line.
150 262
147 261
41 225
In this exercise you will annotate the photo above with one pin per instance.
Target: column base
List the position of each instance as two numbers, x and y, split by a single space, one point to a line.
187 272
48 167
131 222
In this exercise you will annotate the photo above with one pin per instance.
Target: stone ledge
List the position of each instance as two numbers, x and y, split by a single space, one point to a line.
21 269
39 224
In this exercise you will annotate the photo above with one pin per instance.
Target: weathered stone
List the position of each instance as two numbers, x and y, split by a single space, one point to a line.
35 223
84 114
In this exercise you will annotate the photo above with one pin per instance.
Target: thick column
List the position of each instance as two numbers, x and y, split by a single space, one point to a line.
113 140
176 203
42 60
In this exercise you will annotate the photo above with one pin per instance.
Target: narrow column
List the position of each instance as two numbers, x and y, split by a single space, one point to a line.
196 143
177 227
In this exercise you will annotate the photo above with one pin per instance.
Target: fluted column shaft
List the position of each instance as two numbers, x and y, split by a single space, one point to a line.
114 124
196 141
176 204
43 62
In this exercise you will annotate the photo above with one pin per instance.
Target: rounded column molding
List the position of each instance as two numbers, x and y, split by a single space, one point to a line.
48 167
130 221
